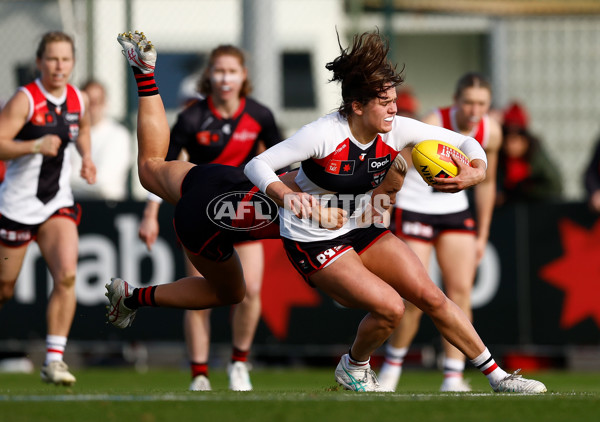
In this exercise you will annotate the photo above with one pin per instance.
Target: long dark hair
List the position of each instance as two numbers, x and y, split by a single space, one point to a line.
364 70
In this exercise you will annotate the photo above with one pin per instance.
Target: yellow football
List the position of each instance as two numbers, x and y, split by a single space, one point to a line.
434 159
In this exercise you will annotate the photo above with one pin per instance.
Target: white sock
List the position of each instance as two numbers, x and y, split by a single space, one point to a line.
394 359
55 348
453 368
355 364
488 367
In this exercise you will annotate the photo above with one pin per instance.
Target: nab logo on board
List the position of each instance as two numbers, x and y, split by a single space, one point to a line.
242 211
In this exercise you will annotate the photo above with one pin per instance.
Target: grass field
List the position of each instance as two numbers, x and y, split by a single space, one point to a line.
311 395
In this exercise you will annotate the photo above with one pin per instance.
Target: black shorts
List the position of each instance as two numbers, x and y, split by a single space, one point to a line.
194 218
309 257
14 234
427 227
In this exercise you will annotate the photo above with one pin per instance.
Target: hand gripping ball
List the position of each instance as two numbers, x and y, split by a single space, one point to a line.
433 158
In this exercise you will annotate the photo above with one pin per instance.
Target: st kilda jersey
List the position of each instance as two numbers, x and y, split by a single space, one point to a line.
36 186
418 196
339 170
210 138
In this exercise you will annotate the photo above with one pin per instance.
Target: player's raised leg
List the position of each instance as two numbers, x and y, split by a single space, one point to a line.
223 282
158 176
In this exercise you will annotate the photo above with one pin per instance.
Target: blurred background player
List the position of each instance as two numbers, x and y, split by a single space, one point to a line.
36 126
428 219
592 179
2 163
112 152
406 102
525 172
226 127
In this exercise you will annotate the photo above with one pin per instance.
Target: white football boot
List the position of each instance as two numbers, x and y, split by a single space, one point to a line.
455 385
138 50
239 377
118 314
361 380
200 383
57 372
514 383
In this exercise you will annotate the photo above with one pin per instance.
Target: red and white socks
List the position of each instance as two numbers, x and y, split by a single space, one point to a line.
453 368
354 364
394 359
55 348
488 367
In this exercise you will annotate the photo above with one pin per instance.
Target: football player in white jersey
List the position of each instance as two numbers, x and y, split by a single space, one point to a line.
427 219
36 203
343 156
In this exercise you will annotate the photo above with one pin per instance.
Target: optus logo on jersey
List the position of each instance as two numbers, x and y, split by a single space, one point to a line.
242 211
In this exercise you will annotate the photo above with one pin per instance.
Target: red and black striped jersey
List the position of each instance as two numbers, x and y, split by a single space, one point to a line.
209 138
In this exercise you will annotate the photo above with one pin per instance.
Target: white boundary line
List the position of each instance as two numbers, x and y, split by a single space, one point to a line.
283 397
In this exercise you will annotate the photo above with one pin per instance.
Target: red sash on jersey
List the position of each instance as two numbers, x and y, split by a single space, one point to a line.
480 130
40 105
242 139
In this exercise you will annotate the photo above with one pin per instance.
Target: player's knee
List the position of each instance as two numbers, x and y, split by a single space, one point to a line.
433 300
392 313
460 294
145 176
252 293
66 281
147 172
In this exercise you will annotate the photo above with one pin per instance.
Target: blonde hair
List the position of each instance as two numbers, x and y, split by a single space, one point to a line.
50 37
400 165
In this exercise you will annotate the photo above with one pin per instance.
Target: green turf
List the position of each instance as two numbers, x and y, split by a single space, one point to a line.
307 395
